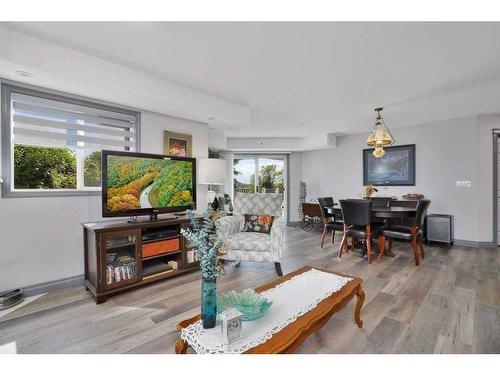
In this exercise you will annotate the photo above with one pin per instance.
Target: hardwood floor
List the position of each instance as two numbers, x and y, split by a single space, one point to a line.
450 304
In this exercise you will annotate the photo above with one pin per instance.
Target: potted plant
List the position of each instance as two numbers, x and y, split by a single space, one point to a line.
203 234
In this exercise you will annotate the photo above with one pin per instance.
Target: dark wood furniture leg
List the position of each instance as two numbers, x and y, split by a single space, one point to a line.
381 247
100 299
343 243
369 243
333 237
360 294
323 236
415 246
181 347
421 243
277 266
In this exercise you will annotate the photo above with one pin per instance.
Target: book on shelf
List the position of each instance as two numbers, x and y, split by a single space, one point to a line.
122 241
120 268
111 257
192 256
126 259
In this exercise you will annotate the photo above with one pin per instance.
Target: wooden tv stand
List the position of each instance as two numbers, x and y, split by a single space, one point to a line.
121 255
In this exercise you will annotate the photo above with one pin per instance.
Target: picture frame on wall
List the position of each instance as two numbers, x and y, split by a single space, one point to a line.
395 168
177 144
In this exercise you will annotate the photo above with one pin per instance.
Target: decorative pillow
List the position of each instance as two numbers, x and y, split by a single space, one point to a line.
258 223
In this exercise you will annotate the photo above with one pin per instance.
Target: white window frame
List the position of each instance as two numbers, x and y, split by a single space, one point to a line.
8 88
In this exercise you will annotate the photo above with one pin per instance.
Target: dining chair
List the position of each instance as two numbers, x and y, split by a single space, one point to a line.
413 233
330 222
357 214
381 201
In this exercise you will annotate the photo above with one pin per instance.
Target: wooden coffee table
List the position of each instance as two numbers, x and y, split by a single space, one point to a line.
293 335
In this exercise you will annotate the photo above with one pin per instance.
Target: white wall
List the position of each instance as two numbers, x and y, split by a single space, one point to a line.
41 238
446 151
295 176
228 187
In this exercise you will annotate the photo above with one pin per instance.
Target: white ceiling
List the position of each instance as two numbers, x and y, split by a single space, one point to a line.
326 76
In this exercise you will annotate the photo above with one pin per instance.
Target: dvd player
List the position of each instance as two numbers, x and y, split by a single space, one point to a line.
159 234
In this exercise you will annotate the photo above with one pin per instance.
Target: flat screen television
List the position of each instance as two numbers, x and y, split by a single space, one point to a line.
136 184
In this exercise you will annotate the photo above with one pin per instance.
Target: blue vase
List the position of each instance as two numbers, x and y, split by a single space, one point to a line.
208 303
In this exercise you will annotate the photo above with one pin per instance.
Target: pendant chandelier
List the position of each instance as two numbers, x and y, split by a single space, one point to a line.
380 136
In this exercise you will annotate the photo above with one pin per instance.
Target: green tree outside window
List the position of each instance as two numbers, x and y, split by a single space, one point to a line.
44 168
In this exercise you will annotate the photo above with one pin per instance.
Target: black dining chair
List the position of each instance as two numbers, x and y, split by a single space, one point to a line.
381 201
413 233
330 222
357 214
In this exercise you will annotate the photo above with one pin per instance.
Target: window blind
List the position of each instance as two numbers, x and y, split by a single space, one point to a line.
40 121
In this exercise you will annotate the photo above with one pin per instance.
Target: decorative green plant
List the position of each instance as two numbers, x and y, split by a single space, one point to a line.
203 234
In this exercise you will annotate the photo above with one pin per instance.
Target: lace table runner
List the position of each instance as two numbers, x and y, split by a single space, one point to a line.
291 299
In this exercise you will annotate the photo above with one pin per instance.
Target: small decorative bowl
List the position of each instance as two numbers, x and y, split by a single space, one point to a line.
414 196
251 304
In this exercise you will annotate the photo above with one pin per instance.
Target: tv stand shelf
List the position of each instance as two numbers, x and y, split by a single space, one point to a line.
114 257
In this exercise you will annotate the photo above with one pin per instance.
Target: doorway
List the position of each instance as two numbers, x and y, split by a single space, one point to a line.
261 174
496 186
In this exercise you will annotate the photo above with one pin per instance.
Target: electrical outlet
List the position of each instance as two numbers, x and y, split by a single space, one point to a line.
464 184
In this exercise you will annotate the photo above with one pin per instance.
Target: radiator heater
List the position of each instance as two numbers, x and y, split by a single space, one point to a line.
439 229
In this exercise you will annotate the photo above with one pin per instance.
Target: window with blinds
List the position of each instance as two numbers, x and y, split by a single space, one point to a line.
56 141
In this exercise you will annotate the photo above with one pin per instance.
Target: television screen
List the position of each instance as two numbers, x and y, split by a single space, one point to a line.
141 184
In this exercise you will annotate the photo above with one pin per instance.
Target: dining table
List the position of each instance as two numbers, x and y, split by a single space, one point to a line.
387 213
381 212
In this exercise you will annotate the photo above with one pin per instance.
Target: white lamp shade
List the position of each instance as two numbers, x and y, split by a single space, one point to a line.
211 171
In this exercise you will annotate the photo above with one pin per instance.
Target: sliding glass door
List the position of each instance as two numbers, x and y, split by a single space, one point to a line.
260 174
244 171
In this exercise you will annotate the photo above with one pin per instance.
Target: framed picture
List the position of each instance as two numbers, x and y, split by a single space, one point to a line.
395 168
177 144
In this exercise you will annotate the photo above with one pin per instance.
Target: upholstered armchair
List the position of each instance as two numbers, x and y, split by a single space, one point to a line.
251 246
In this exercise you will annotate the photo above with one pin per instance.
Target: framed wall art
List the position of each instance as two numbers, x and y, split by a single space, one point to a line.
395 168
177 144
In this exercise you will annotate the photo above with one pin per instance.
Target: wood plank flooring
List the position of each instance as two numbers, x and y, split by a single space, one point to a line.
450 304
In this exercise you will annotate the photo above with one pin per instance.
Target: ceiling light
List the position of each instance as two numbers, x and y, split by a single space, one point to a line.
380 135
23 73
210 118
378 152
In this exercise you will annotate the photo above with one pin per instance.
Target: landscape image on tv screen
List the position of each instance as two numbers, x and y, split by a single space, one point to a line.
137 182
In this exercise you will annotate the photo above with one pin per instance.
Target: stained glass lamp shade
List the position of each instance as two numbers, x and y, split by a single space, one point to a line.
380 136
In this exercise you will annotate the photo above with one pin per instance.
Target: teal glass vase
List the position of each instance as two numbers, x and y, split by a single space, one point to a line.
208 303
